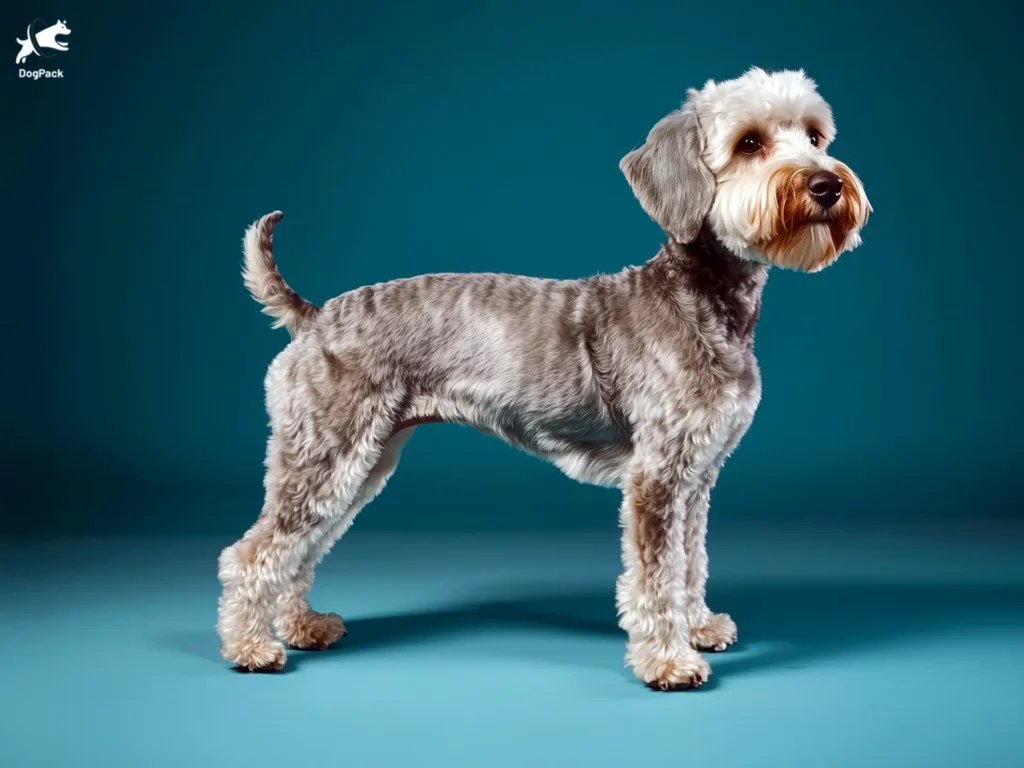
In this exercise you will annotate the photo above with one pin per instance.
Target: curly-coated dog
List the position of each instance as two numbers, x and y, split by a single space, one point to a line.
644 380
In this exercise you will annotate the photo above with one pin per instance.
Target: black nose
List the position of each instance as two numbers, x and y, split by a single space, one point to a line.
825 187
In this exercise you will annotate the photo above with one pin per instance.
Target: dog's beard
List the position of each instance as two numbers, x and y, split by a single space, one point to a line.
808 248
773 219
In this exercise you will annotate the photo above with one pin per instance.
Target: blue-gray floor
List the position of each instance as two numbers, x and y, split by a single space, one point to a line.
857 647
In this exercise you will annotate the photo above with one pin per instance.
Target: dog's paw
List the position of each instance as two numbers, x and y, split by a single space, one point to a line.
267 656
676 674
716 634
314 631
670 672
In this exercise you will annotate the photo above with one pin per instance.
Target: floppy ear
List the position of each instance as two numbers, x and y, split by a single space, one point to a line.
669 178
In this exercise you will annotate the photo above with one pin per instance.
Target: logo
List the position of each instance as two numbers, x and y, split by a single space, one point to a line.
41 41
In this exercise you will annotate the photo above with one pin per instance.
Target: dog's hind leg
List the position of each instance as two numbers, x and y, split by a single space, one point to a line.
328 432
297 623
307 503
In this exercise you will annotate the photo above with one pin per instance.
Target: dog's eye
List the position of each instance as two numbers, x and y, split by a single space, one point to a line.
814 135
750 144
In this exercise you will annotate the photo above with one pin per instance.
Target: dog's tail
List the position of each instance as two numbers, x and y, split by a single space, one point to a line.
265 283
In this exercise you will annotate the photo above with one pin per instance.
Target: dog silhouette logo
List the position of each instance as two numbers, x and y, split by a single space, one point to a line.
41 40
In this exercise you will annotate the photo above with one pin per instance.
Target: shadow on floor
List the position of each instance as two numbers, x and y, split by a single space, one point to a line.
801 622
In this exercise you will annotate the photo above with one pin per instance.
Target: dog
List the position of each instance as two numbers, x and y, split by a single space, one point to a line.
45 38
644 380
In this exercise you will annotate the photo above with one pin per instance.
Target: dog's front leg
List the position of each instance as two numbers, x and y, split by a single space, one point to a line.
708 631
651 595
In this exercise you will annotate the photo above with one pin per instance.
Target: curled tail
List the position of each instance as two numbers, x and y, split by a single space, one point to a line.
265 283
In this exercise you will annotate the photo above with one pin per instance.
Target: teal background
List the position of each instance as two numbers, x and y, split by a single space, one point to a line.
866 535
401 138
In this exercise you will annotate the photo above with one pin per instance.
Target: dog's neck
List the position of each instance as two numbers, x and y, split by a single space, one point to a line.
732 286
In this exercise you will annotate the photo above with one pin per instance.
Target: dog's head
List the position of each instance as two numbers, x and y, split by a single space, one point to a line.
55 30
747 157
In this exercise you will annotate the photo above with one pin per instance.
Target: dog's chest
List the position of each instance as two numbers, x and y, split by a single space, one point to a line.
738 399
719 402
736 407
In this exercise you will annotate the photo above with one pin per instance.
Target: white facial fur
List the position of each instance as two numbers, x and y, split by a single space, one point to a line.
761 210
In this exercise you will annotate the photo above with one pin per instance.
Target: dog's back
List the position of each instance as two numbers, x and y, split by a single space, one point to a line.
519 357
